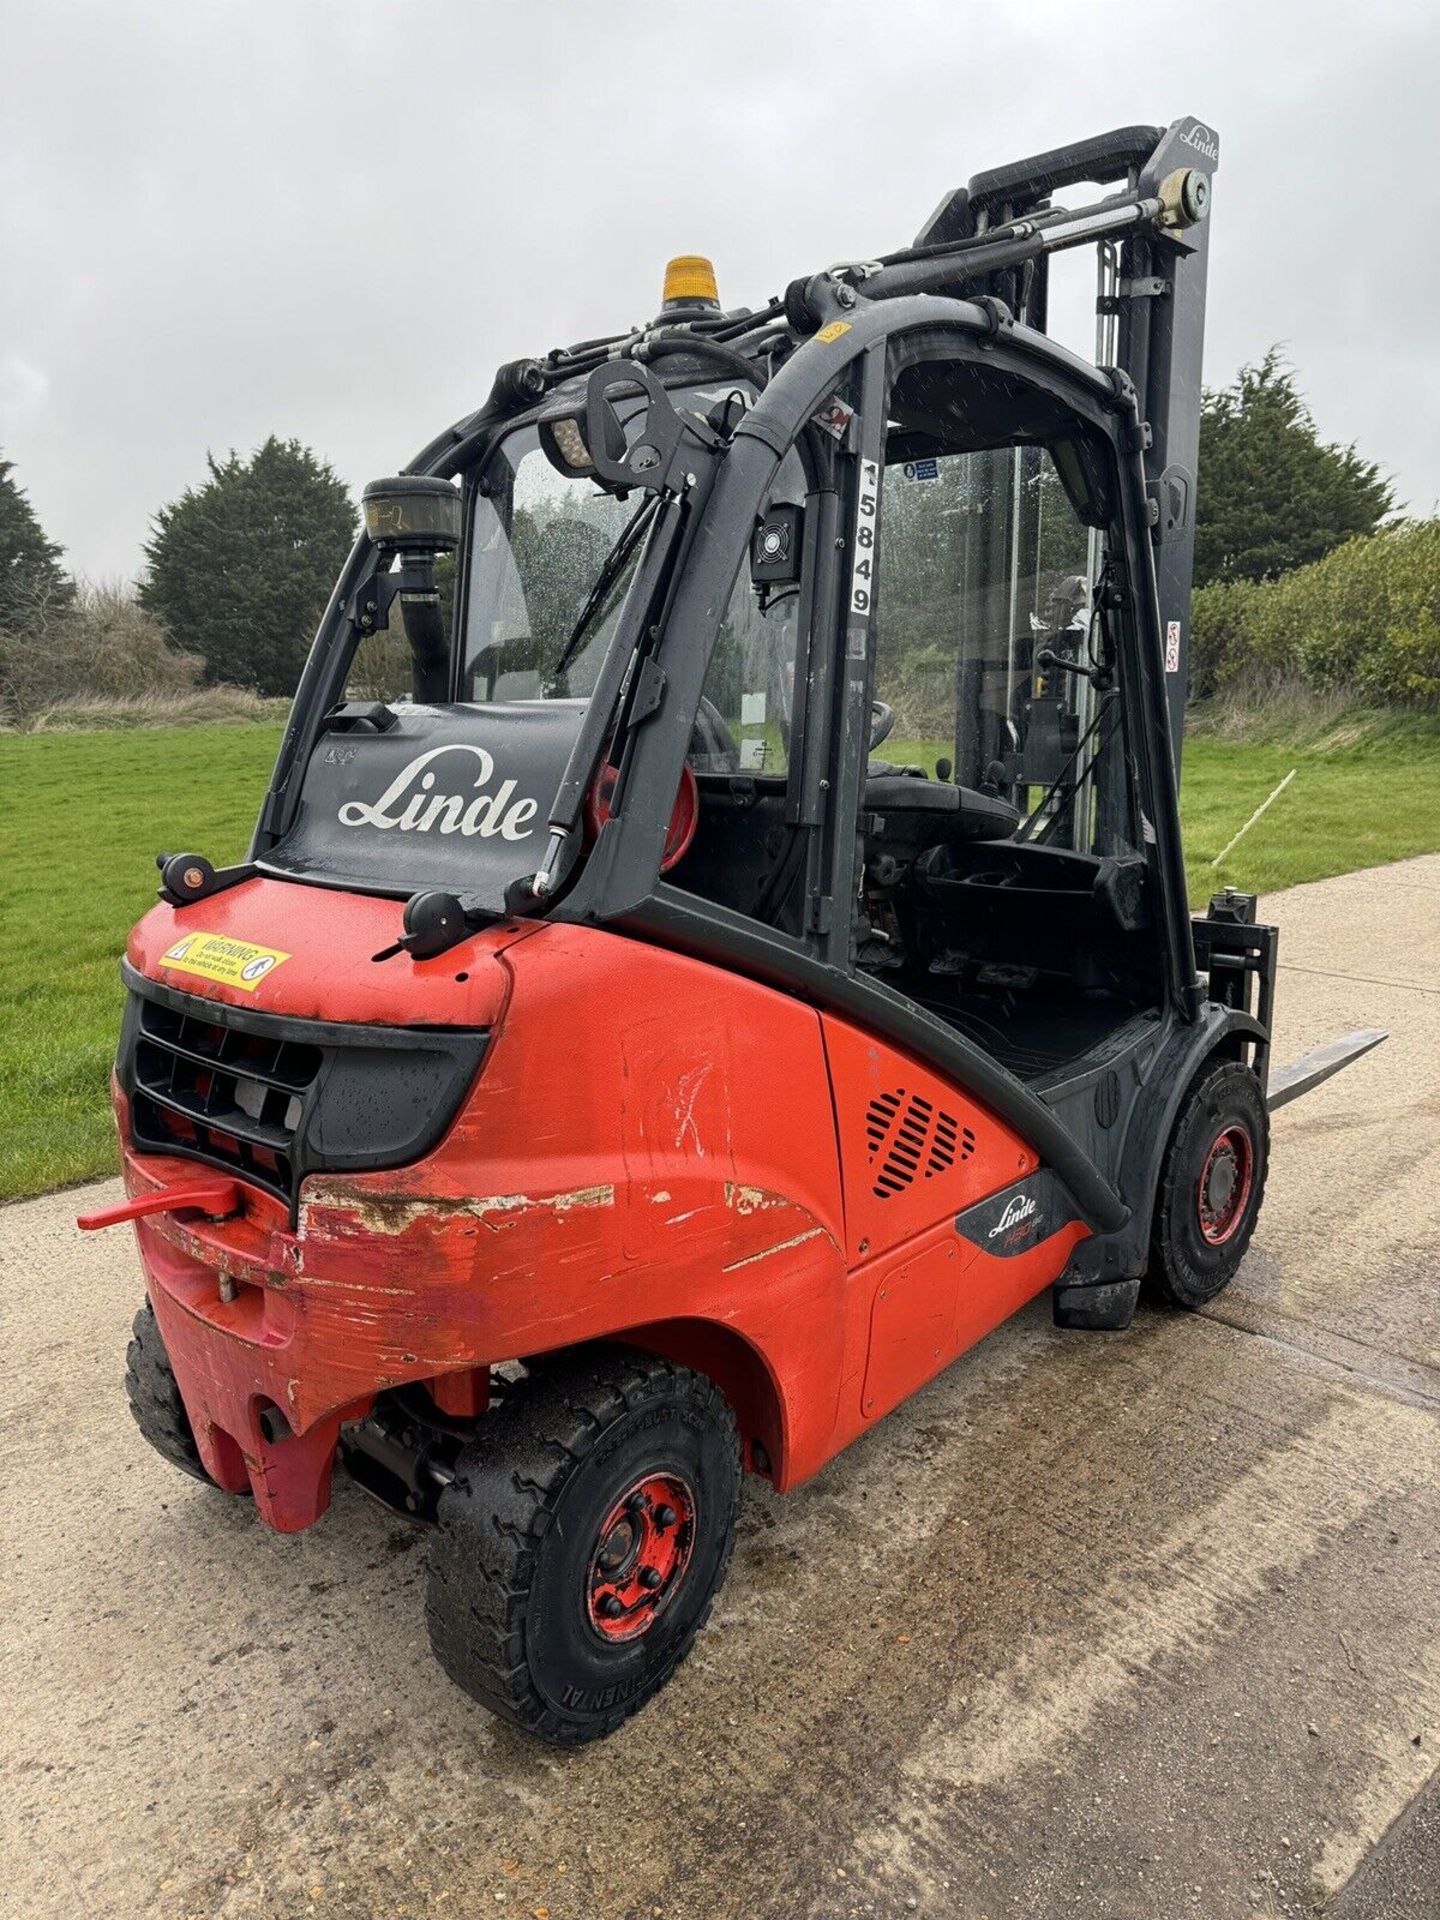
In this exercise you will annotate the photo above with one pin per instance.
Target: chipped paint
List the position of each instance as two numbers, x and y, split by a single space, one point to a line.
355 1286
470 1254
375 1212
748 1200
225 1261
782 1246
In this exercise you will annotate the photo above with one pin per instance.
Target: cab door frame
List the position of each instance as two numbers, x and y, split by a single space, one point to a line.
620 883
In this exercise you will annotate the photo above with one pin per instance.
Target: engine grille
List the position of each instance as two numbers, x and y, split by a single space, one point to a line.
231 1097
906 1139
271 1098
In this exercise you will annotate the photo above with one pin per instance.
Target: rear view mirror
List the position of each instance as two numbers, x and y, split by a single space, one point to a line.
412 514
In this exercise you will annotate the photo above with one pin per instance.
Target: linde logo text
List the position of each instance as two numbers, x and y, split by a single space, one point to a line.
1202 140
1019 1207
411 803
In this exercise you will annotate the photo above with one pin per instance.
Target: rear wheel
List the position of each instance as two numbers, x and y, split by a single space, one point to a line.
1211 1186
154 1396
583 1540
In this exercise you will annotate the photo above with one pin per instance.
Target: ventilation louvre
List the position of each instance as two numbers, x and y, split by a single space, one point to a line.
909 1137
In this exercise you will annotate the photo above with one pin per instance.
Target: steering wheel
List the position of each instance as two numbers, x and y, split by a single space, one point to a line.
882 723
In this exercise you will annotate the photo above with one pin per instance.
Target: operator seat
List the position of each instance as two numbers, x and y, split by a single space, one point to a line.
917 813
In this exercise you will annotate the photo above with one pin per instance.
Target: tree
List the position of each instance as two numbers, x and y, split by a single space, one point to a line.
100 646
32 579
1272 494
240 568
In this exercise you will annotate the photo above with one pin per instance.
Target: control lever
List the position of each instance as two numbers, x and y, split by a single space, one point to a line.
1049 660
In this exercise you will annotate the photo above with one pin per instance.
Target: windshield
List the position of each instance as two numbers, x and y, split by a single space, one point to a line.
538 545
458 794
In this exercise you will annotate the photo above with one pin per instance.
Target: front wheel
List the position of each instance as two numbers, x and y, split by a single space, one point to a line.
1211 1186
154 1396
582 1541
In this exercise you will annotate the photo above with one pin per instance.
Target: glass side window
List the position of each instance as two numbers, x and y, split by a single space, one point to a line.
983 562
984 636
747 707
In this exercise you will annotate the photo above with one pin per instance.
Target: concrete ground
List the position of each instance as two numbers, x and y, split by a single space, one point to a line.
1125 1627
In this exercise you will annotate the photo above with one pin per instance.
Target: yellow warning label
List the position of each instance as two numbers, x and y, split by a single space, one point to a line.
235 963
834 330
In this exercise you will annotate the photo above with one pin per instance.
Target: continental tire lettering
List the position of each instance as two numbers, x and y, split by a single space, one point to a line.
601 1699
621 1435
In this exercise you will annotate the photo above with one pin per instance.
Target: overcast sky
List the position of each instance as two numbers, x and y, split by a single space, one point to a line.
332 220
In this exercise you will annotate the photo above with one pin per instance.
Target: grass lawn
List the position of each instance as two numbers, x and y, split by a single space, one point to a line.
84 813
1364 792
82 818
1349 806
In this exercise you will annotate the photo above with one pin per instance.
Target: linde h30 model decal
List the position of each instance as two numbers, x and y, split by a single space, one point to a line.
411 803
1016 1210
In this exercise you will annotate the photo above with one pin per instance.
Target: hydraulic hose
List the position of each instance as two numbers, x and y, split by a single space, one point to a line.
698 347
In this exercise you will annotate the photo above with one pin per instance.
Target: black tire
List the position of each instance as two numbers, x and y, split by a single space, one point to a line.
513 1601
1211 1187
154 1397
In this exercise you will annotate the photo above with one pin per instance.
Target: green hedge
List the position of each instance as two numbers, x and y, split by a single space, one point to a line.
1364 620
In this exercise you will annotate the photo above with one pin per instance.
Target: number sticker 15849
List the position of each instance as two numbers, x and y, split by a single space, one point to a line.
862 572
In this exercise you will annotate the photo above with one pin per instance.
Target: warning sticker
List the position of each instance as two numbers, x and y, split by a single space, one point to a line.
234 963
835 418
833 331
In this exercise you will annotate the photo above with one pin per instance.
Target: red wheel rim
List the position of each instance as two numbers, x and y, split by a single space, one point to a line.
640 1556
1224 1185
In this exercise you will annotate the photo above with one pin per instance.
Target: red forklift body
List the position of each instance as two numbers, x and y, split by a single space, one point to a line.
609 1071
696 1163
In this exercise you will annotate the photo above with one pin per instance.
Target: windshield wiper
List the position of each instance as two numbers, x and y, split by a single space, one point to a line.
611 569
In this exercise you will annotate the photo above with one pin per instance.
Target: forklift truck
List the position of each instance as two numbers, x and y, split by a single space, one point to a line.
741 954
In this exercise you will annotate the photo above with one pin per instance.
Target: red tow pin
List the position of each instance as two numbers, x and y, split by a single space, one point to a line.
214 1197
